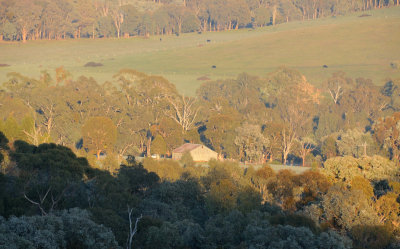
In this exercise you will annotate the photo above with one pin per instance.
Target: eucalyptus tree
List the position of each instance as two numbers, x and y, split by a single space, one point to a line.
295 100
99 135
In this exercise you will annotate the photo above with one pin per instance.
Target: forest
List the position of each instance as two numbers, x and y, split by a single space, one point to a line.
70 179
87 163
22 20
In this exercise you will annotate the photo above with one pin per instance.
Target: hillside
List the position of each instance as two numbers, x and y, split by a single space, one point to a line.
360 46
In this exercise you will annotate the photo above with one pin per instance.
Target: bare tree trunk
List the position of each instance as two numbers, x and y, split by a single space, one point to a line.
132 230
24 34
183 112
274 12
148 146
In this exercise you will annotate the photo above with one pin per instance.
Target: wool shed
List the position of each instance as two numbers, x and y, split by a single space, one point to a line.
199 152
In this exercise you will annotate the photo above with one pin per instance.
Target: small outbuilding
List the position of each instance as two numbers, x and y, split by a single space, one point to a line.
199 152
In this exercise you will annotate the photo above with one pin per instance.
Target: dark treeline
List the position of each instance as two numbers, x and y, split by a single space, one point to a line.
60 19
49 198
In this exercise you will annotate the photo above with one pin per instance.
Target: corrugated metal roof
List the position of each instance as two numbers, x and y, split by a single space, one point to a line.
186 147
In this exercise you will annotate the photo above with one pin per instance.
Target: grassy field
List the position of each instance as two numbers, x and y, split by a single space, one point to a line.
360 46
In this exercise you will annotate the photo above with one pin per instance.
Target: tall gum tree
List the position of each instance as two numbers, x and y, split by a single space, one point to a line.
295 101
99 135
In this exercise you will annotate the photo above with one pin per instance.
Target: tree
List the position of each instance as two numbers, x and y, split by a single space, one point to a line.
220 131
105 27
364 101
344 209
328 147
337 85
283 188
296 100
306 146
26 14
131 19
85 16
184 112
354 143
372 168
374 237
171 133
391 89
260 180
158 146
66 229
315 186
187 160
272 131
3 147
132 229
387 132
118 18
11 129
99 135
48 172
251 143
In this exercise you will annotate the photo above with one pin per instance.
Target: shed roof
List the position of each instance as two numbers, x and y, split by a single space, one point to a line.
186 147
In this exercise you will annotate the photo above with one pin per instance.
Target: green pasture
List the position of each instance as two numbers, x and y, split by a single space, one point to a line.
359 46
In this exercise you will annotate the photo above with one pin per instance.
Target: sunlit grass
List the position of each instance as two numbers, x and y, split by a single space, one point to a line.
362 47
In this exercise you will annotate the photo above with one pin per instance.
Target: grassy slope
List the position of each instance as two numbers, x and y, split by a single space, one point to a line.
362 47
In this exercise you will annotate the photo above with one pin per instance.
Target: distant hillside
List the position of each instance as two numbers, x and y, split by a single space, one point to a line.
364 44
22 20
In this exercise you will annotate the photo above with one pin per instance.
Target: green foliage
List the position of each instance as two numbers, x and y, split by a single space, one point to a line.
248 200
295 221
66 229
372 168
82 232
387 133
3 146
105 27
362 184
10 129
110 163
328 148
373 237
99 135
291 237
158 146
354 143
251 143
48 173
192 136
344 209
187 160
165 169
221 209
